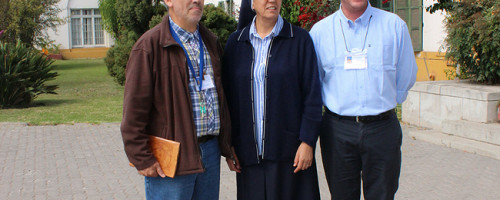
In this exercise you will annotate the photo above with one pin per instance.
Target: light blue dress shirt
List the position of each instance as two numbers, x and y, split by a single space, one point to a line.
261 48
391 70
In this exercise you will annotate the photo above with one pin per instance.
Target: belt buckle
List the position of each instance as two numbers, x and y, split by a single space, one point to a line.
357 119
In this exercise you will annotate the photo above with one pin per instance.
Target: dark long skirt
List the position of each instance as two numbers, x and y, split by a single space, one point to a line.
275 180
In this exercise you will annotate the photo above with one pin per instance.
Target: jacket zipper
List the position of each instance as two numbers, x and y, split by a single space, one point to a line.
192 111
253 105
265 100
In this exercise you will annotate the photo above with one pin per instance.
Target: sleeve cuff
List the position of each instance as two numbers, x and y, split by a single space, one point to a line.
401 96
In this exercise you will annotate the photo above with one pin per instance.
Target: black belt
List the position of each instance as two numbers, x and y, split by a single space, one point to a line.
363 119
205 138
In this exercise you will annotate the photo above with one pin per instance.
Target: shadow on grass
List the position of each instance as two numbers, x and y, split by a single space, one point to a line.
43 103
52 102
64 67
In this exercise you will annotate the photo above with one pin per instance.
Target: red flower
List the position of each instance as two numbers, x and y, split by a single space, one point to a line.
303 17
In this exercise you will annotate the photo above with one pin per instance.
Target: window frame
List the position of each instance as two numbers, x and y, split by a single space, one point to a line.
94 14
392 7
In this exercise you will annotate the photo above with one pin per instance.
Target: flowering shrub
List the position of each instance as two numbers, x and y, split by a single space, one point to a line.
315 10
305 13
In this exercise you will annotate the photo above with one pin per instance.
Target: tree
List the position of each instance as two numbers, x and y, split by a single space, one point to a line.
130 15
4 8
109 17
441 5
28 20
473 40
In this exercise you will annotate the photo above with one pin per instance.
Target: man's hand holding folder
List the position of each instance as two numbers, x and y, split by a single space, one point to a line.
153 171
166 153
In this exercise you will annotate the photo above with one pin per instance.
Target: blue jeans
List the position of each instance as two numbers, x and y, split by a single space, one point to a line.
192 186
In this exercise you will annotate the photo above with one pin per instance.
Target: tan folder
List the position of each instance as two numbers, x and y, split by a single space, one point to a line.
166 153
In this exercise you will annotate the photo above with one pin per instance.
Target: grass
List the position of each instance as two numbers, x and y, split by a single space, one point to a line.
86 94
398 111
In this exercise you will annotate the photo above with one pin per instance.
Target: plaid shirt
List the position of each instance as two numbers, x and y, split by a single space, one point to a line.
208 123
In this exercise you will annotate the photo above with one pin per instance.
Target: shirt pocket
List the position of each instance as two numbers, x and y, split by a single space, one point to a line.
381 57
338 61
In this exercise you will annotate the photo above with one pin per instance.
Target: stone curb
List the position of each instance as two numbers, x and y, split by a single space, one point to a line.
467 145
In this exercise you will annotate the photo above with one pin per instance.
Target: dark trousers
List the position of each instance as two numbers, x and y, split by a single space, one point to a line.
353 151
275 180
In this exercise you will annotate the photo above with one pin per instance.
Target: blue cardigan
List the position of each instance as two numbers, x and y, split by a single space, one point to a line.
293 99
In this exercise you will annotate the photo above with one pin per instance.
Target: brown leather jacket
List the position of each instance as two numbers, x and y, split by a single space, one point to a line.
157 101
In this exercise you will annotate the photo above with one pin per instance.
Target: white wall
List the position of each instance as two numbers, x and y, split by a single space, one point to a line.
83 4
434 31
237 3
61 35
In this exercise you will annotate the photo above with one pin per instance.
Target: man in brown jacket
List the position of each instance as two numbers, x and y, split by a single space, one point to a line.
173 90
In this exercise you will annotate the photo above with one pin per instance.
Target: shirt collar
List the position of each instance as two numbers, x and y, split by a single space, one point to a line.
185 36
363 19
276 30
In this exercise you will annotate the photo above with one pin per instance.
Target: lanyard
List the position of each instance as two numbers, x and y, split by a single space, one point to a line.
364 42
188 58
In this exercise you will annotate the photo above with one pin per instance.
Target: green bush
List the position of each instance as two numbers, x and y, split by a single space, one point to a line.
23 73
219 22
155 20
117 57
128 20
473 40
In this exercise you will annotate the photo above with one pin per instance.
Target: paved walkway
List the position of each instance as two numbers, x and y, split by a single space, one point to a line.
85 161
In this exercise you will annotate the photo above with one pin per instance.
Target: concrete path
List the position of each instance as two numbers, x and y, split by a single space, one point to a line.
85 161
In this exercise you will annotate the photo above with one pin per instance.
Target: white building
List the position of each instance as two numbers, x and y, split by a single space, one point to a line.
82 36
427 33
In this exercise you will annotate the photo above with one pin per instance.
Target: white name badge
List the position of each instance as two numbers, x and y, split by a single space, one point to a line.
207 82
356 59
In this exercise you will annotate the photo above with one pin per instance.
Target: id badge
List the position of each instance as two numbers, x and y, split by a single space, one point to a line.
207 82
356 59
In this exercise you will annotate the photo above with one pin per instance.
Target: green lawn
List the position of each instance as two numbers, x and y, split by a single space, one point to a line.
86 94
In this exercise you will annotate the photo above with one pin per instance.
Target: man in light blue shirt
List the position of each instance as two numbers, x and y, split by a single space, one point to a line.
367 65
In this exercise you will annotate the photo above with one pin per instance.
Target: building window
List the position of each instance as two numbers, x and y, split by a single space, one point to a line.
411 12
86 28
